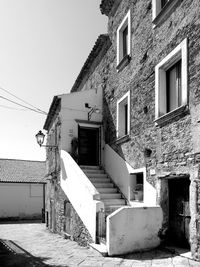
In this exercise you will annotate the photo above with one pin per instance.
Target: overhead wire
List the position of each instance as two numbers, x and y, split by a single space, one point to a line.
41 112
3 106
8 92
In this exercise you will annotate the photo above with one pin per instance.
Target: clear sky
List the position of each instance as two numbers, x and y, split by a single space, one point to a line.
43 45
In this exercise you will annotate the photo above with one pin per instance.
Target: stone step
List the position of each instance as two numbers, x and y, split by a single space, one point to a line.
105 190
87 171
99 180
90 167
97 175
115 201
100 185
111 196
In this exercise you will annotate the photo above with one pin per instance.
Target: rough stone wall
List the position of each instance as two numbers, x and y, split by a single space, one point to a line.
97 78
52 154
175 146
74 226
62 218
149 46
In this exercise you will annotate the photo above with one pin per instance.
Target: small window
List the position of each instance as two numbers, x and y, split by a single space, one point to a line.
162 9
171 81
163 3
123 116
124 40
137 187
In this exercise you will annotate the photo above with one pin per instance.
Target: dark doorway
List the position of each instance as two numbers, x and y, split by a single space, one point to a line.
88 150
179 211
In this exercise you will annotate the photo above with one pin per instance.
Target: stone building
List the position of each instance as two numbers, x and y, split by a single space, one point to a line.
134 111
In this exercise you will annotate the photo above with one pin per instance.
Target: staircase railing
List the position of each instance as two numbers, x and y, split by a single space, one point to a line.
81 192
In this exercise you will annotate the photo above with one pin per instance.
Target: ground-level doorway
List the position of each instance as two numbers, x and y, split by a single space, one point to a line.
179 211
88 150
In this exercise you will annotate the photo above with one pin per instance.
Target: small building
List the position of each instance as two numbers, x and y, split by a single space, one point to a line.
22 189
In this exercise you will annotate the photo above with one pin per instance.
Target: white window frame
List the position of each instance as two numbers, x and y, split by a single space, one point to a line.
156 8
179 53
122 102
132 184
157 15
126 22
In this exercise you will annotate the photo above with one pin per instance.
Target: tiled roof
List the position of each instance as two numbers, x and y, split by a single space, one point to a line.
52 112
22 171
101 46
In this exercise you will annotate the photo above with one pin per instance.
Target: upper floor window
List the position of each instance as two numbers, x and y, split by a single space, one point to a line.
163 3
161 9
173 86
171 81
123 115
124 40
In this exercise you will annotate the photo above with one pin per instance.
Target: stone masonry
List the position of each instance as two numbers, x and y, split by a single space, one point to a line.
61 217
175 144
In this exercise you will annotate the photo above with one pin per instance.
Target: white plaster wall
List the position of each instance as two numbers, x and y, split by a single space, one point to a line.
149 194
123 176
72 108
132 229
80 192
20 200
118 169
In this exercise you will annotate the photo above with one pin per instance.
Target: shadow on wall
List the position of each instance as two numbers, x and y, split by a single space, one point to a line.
12 255
17 220
110 128
111 134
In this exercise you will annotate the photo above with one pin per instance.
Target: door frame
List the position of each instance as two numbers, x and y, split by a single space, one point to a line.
172 198
92 125
163 196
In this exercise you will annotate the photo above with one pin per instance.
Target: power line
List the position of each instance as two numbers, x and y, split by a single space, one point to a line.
3 89
41 112
3 106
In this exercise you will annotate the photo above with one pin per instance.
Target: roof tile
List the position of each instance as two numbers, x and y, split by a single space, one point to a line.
22 171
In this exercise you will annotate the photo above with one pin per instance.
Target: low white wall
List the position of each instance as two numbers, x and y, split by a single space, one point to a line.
20 200
123 176
132 229
118 169
80 192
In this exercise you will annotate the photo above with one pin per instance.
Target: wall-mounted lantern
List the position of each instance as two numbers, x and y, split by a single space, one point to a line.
40 140
92 110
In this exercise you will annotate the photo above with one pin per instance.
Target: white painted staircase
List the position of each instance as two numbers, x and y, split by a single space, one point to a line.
109 193
110 196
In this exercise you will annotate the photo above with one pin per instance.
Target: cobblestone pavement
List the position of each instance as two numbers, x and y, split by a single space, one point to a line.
33 245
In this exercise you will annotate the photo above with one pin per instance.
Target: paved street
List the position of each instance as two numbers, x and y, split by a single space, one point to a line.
33 245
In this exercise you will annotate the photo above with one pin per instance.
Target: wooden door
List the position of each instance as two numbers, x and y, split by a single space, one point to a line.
88 151
179 211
